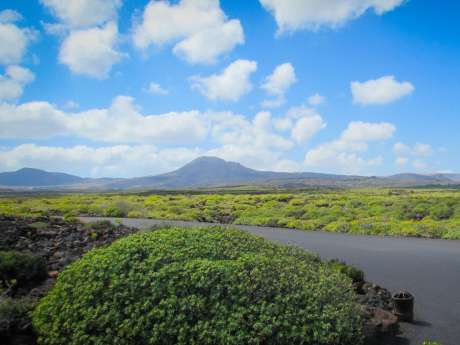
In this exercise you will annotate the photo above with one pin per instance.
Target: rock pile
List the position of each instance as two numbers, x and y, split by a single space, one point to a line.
60 243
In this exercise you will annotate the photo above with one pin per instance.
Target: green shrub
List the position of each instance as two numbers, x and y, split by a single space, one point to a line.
19 269
196 286
113 211
96 229
441 212
14 315
100 225
427 342
355 274
414 212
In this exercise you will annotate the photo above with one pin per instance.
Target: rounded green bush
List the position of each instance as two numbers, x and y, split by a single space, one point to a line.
441 212
20 269
196 286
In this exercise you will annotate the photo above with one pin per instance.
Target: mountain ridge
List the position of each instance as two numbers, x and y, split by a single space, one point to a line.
208 171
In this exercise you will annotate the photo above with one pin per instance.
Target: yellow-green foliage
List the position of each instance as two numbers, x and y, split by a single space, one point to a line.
423 213
203 287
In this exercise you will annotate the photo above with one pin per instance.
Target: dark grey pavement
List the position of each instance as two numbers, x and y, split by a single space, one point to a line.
430 269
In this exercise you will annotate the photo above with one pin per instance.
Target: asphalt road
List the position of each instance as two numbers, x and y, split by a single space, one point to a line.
429 269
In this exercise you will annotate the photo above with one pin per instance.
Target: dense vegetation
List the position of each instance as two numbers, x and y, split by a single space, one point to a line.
19 269
427 213
195 286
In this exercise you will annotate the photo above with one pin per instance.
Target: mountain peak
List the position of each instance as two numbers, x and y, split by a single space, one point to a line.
26 169
208 159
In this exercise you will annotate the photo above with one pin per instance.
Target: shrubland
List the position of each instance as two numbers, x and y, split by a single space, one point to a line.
420 213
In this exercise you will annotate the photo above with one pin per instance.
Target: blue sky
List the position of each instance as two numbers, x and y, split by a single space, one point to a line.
131 88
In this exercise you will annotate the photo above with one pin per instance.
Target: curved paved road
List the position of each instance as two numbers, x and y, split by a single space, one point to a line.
430 269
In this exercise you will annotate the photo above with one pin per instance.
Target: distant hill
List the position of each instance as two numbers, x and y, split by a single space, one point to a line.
409 177
213 171
28 177
453 177
216 172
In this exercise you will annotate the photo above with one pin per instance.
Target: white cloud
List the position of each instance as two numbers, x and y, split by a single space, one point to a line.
205 46
344 155
231 84
92 51
306 127
417 150
401 149
261 141
90 34
118 161
280 80
13 43
120 123
292 15
315 99
365 131
305 123
233 130
156 89
14 81
20 74
380 91
422 150
83 13
9 89
418 153
199 30
131 161
277 84
10 16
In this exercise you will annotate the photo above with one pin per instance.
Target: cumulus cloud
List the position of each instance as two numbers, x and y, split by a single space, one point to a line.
14 81
230 85
293 15
205 46
416 154
156 89
13 42
90 34
280 80
364 131
345 154
303 122
199 30
277 83
380 91
120 123
316 99
79 14
261 141
237 131
91 52
417 150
